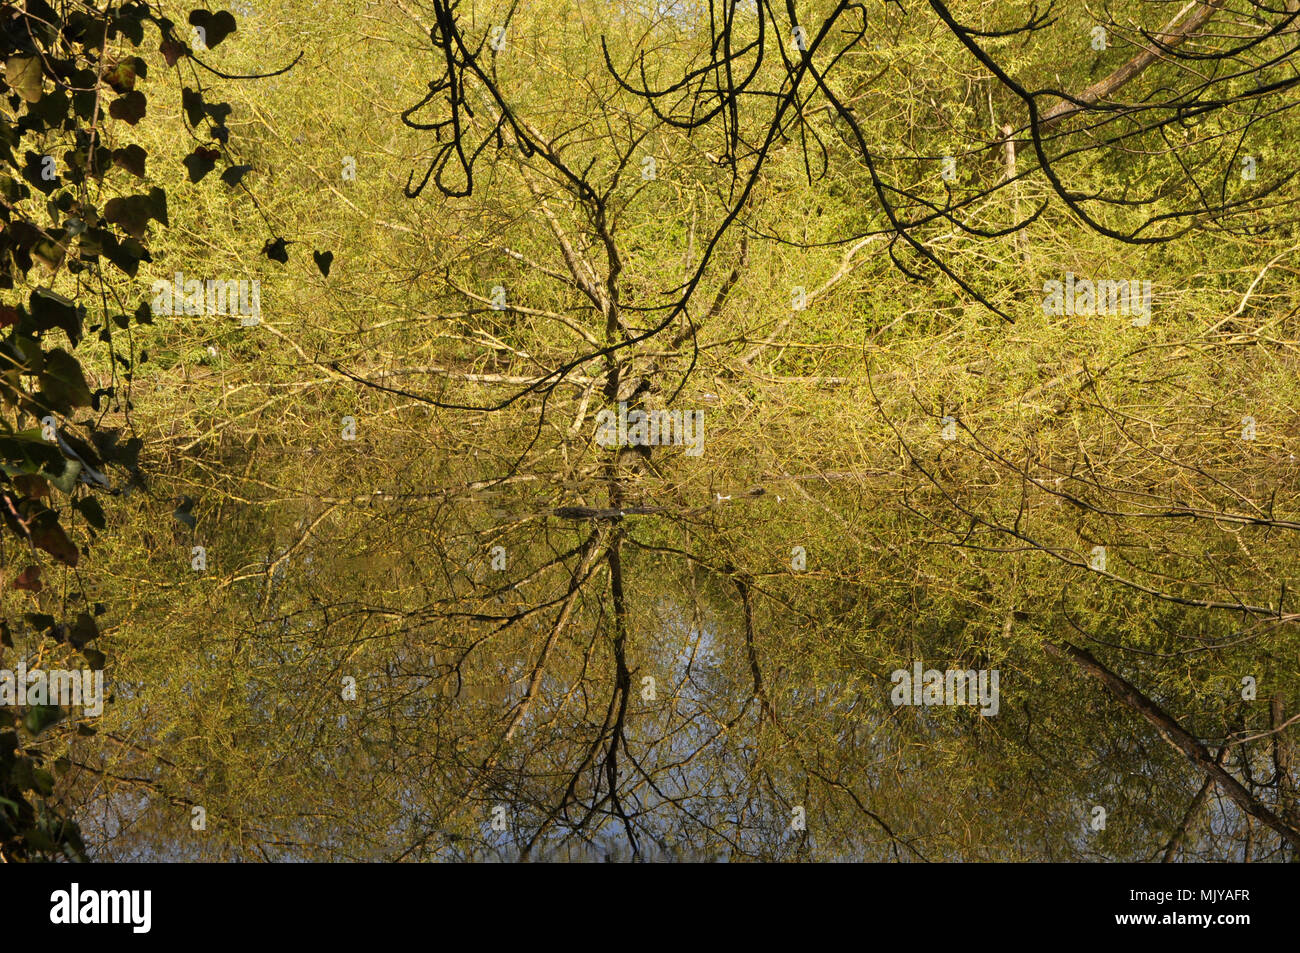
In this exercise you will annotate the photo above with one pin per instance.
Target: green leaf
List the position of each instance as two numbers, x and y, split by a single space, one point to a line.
42 781
23 73
121 76
63 381
40 717
65 481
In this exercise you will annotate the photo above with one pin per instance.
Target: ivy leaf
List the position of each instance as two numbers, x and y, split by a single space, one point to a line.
131 212
29 579
129 108
183 514
323 261
63 379
158 207
52 310
192 103
43 782
41 622
83 631
127 22
40 717
172 51
23 74
52 109
48 535
34 172
235 174
90 509
200 162
49 253
215 26
65 481
126 254
31 485
131 158
121 75
277 251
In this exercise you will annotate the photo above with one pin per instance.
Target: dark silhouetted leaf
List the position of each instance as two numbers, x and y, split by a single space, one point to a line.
51 310
32 485
172 50
215 26
39 621
83 631
63 381
29 579
49 536
89 508
235 174
200 162
192 103
131 158
131 212
129 108
183 514
277 251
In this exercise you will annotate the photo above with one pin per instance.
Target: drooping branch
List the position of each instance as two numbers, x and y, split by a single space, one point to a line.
1174 33
1169 729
